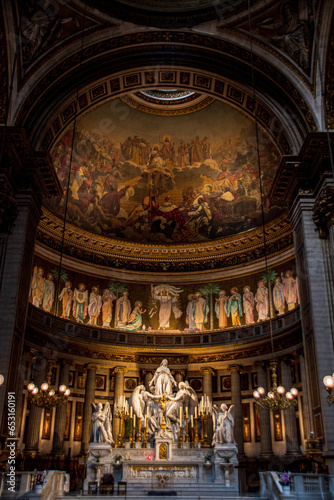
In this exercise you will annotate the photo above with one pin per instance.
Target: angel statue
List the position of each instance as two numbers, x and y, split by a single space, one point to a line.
223 424
101 418
143 403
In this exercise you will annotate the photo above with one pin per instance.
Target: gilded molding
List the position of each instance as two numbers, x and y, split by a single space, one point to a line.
231 251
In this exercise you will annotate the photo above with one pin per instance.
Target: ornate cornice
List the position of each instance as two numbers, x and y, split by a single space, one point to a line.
323 212
301 173
26 169
232 251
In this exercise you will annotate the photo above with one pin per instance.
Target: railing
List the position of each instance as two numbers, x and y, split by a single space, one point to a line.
40 320
53 486
302 486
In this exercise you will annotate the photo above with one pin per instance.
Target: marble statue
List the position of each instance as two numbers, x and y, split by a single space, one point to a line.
163 381
223 424
101 419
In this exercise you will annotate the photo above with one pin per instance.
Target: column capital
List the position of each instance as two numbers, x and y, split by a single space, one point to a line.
237 368
207 370
259 364
92 366
323 211
120 369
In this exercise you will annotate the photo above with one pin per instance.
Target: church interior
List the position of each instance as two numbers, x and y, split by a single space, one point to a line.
167 245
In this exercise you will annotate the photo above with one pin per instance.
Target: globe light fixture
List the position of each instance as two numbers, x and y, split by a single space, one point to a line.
275 399
45 396
328 381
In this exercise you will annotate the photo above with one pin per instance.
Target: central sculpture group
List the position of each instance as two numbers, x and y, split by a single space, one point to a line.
162 408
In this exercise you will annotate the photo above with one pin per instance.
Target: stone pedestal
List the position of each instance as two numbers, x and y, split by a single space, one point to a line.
225 462
98 463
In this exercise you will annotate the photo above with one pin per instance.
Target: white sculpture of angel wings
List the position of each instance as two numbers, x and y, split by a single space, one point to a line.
223 424
192 399
101 419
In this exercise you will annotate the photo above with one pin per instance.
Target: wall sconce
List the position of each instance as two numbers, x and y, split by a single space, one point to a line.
329 385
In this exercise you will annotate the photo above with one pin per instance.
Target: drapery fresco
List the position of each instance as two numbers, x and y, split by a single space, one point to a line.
159 179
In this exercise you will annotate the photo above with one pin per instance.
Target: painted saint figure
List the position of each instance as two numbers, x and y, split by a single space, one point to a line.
80 303
123 309
167 295
262 301
220 309
107 303
278 296
289 289
201 311
135 321
248 303
37 286
190 319
94 306
49 293
234 307
66 297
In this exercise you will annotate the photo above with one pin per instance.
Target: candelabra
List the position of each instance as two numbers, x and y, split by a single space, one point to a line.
205 412
329 385
45 396
275 399
122 413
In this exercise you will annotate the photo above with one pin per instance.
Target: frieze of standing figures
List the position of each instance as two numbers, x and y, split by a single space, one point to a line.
162 306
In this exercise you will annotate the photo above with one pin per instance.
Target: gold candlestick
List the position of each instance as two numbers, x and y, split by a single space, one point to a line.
196 440
180 443
145 433
187 430
131 431
163 402
139 431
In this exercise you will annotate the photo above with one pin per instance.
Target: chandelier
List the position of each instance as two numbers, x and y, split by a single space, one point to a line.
275 399
45 396
329 384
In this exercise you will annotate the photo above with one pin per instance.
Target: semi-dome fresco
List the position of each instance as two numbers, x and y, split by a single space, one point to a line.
165 179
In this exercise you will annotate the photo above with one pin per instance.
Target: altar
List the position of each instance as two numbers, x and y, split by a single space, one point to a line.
165 446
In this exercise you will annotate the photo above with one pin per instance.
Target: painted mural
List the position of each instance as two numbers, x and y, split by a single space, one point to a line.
156 179
136 307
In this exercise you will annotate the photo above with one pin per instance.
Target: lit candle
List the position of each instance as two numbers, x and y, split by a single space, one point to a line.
195 411
192 420
146 411
131 412
187 412
134 421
